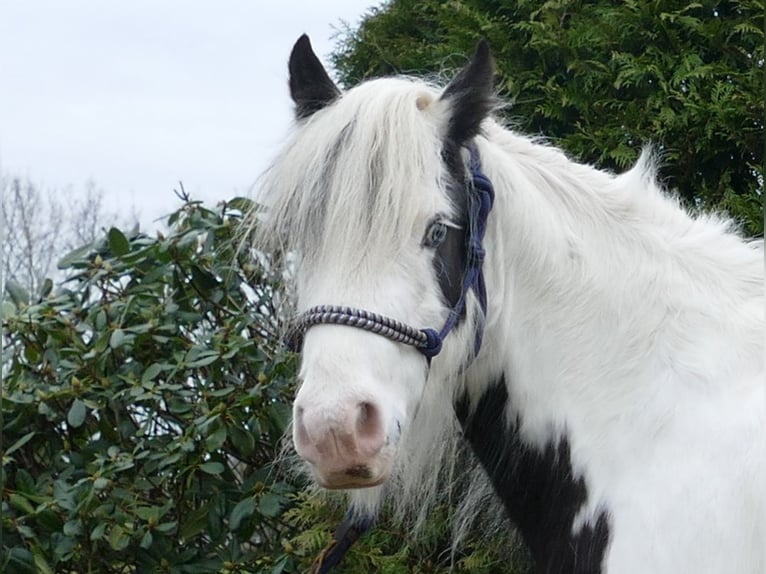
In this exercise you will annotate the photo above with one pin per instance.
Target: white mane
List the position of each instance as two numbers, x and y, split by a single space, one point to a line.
666 308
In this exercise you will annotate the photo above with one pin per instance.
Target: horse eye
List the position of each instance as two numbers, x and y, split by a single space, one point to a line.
435 234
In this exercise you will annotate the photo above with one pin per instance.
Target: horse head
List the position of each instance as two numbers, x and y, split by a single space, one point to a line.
381 209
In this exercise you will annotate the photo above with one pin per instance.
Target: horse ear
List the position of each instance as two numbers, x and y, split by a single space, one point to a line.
471 95
310 86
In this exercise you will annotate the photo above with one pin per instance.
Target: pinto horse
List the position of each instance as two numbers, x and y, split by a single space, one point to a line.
600 348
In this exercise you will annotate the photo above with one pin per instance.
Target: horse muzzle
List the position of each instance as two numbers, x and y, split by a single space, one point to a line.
345 447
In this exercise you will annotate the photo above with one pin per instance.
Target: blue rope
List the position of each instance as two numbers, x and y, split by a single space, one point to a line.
349 531
481 196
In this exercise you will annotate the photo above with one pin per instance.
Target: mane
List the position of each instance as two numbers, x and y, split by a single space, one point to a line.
363 195
579 208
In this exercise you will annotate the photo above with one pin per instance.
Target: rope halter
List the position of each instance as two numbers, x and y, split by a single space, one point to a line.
428 341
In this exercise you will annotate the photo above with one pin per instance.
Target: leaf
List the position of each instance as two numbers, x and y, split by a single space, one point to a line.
151 372
117 338
7 310
222 392
243 440
21 503
279 567
24 482
118 243
118 539
63 547
215 440
26 531
242 204
167 527
146 540
77 255
279 415
242 510
40 562
269 504
148 513
17 293
212 467
19 560
98 531
46 288
196 522
203 361
77 412
19 443
203 278
72 528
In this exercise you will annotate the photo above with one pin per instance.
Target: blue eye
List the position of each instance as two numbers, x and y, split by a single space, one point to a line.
435 234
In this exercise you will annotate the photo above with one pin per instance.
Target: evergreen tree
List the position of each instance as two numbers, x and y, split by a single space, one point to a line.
603 79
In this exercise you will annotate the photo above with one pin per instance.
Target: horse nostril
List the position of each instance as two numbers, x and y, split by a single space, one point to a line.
347 438
369 425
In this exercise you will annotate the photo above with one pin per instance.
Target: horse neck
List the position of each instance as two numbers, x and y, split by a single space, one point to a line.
597 334
595 278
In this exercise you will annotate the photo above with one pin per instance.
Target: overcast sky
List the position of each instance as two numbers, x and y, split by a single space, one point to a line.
138 94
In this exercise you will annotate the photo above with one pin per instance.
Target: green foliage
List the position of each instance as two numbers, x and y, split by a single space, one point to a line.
143 409
602 79
390 548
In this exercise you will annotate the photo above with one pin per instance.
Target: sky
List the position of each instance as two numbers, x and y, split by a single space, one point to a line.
137 95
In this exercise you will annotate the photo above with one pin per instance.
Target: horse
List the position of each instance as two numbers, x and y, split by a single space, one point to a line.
598 346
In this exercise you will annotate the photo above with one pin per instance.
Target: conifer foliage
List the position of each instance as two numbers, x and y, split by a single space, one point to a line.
603 79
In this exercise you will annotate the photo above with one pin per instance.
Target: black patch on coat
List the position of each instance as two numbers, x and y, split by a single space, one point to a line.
451 257
540 493
471 98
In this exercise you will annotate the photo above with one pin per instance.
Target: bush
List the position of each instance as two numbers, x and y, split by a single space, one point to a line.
143 408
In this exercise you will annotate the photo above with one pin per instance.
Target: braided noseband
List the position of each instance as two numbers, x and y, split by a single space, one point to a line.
378 324
428 341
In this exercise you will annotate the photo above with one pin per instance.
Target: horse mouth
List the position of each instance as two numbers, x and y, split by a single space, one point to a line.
353 477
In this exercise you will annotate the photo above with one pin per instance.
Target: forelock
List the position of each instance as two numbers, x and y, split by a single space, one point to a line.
357 175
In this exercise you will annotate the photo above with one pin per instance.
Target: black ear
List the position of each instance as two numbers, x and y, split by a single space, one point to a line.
471 95
310 86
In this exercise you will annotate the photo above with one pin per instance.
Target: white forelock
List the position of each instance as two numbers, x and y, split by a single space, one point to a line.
356 177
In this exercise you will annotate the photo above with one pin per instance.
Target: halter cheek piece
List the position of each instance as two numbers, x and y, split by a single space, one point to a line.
428 341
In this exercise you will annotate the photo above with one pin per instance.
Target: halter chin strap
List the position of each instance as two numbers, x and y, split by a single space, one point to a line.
349 531
428 341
